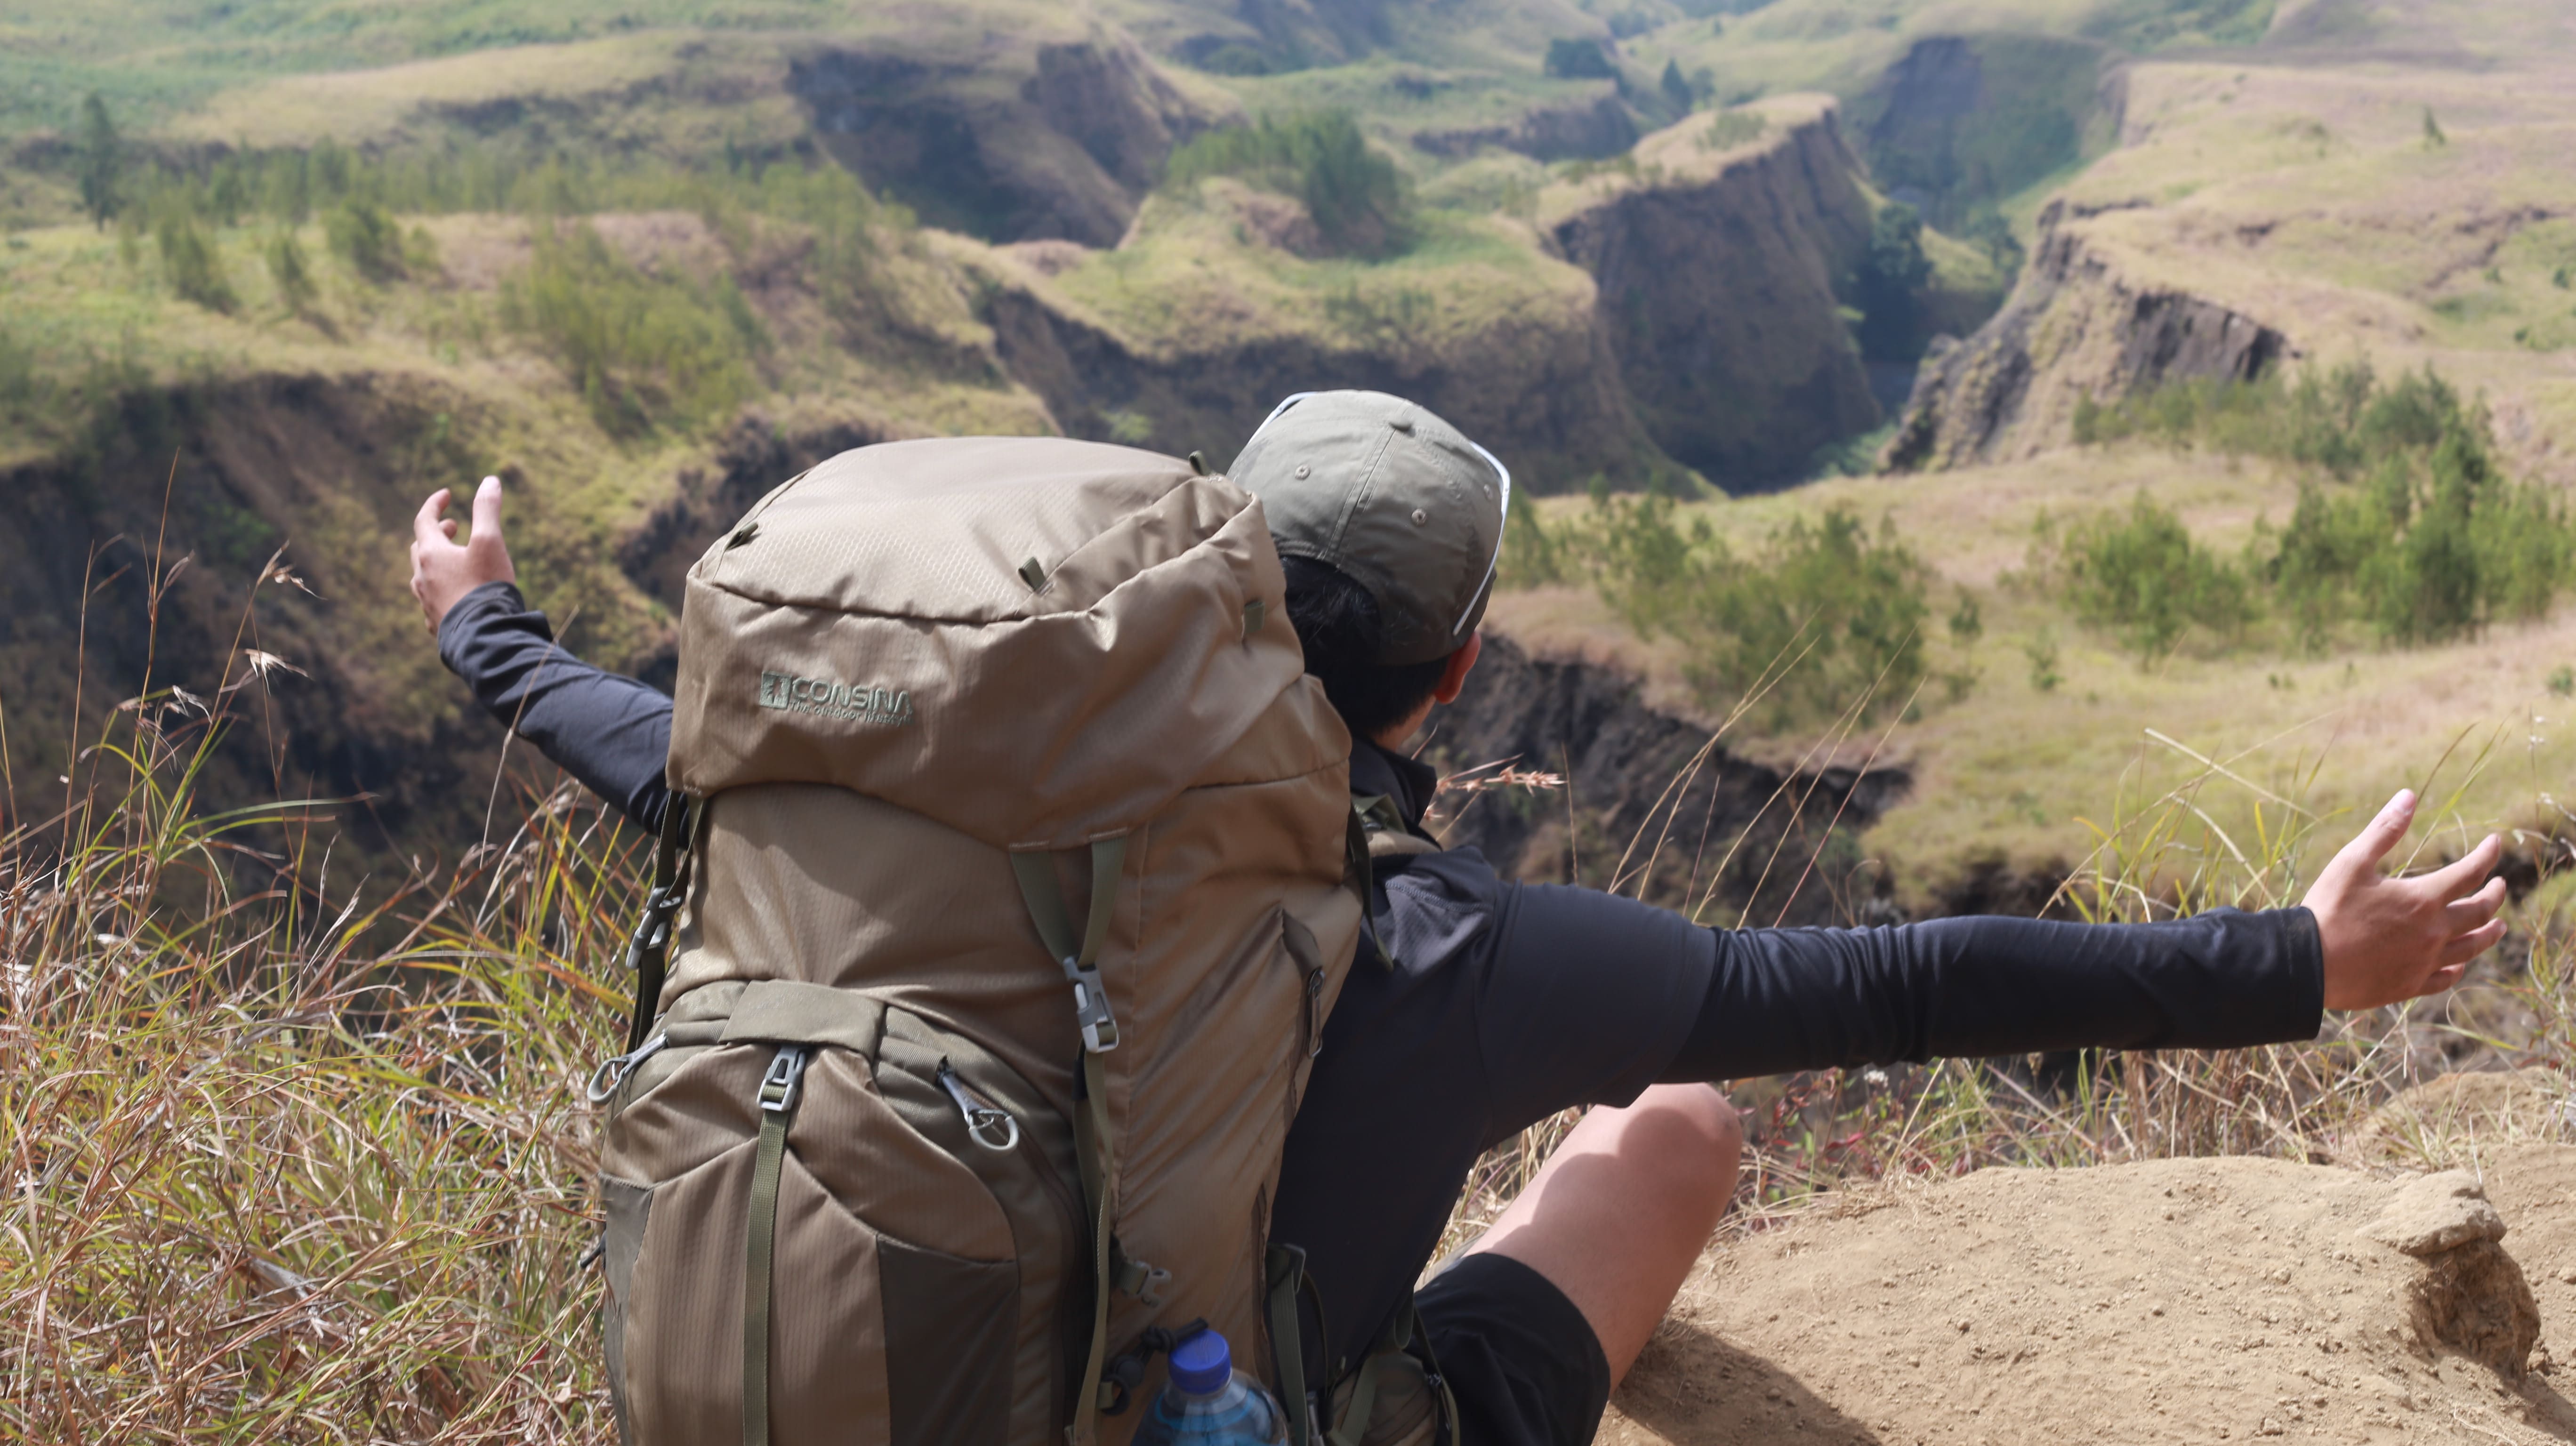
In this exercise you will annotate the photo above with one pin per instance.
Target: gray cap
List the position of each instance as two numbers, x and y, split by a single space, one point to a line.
1395 497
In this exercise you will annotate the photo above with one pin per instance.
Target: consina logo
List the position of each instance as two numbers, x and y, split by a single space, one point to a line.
828 699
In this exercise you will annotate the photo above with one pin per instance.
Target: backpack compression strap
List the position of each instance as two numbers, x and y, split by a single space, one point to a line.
1093 1148
650 950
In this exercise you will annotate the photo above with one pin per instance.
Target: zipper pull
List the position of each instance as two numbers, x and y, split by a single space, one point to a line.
980 1117
613 1072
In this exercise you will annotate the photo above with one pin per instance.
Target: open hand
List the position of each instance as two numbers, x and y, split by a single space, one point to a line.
442 571
2391 939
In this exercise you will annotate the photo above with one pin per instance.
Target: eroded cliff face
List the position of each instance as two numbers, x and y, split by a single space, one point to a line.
1651 807
199 486
2075 327
1715 278
1537 386
1007 142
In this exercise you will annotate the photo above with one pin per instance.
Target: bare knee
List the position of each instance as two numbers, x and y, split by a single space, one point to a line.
1690 1136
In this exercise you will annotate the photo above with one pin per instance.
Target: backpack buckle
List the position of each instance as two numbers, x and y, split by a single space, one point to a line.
1091 1008
786 1072
653 931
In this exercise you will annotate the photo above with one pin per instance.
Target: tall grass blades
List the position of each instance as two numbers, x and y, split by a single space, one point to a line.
645 351
1360 202
287 1160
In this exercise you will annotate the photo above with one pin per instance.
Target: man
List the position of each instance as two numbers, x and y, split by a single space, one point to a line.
1505 1003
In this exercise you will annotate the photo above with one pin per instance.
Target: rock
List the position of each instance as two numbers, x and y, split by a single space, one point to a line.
2437 1213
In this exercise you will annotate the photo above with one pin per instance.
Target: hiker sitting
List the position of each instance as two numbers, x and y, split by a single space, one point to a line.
1500 1004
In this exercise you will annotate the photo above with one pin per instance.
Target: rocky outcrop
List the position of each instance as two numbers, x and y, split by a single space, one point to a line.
1715 272
2074 328
1011 143
1602 127
1540 390
1650 805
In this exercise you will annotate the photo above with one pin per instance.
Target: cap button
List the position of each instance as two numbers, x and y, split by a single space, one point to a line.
1403 422
1301 469
1420 517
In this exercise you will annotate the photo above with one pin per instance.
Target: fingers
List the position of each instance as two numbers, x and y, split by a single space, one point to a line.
424 523
2379 835
2457 954
449 529
2446 977
2472 868
487 511
2462 915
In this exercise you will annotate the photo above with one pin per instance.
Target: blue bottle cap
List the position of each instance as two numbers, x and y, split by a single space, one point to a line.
1202 1365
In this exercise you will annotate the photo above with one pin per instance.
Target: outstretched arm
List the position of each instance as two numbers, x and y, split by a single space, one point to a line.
1794 999
611 732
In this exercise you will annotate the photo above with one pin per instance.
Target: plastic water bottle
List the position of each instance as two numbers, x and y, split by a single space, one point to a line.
1209 1402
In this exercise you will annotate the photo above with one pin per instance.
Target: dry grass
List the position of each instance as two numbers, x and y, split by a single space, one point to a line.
290 1156
295 1157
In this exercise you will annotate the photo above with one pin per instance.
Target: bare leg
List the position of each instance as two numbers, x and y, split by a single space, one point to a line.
1618 1214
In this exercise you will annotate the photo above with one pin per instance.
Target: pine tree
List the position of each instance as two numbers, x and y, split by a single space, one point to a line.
1678 90
102 162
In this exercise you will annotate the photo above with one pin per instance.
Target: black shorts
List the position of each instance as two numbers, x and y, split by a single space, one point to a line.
1522 1361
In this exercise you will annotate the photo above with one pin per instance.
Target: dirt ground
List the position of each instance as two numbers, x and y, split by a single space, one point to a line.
2170 1301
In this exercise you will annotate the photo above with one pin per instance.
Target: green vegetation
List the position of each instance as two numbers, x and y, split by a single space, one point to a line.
2143 576
366 236
645 351
1823 618
1359 202
1888 284
2036 109
100 162
1577 59
190 261
2406 523
289 272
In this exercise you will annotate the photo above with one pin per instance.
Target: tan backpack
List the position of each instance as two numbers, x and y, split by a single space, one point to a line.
1010 897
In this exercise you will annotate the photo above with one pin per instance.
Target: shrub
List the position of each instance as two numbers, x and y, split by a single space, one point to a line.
2408 524
1578 59
189 259
289 270
644 351
1358 199
2143 576
366 237
101 162
1847 607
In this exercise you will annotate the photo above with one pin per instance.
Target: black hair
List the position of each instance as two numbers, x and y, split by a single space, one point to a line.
1339 626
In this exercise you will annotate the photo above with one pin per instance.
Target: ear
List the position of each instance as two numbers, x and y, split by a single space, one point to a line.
1453 678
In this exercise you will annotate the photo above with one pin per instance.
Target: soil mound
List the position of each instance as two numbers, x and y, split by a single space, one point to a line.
2173 1301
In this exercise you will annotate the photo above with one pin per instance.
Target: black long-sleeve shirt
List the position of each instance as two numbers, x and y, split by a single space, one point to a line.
1509 1002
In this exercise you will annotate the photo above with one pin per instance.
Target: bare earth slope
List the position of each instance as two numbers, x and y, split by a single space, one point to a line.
2172 1301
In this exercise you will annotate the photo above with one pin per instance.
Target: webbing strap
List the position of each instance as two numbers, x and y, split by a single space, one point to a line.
1094 1149
1285 1269
778 1090
1404 1339
650 950
1098 1157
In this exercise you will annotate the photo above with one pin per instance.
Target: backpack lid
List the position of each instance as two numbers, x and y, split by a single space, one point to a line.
1036 641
